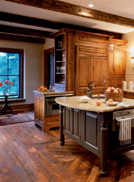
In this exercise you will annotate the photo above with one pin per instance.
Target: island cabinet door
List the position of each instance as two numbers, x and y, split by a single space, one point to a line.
72 123
90 132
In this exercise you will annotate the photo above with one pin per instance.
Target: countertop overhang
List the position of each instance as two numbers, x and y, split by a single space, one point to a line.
49 93
74 102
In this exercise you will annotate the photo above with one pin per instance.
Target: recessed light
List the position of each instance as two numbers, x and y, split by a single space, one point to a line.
91 5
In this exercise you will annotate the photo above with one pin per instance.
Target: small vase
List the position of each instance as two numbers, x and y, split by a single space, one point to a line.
6 90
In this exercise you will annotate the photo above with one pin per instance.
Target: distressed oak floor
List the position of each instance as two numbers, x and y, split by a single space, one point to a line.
27 154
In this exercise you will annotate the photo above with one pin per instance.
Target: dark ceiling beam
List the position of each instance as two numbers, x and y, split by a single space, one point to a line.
71 9
49 24
23 31
8 17
22 38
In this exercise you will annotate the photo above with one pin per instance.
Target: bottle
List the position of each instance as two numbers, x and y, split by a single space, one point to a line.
124 85
130 86
50 87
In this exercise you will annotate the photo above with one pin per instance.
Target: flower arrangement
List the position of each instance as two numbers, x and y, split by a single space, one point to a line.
6 86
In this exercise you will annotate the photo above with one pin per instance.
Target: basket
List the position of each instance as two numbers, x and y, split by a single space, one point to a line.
115 96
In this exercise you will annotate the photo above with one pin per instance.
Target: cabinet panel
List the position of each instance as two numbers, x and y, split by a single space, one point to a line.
119 62
99 70
67 124
76 125
83 74
117 56
91 129
36 107
39 107
91 50
91 39
70 61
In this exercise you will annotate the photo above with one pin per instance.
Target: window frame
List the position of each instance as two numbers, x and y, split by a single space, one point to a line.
21 66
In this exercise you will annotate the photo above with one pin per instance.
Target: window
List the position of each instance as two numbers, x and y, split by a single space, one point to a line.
11 68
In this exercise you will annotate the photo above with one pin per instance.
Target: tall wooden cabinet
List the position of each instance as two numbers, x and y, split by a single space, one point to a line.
117 61
91 61
82 57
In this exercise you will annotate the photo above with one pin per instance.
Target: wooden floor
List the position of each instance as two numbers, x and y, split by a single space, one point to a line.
27 154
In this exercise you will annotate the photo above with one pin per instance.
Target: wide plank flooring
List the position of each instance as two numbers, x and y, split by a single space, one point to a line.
27 154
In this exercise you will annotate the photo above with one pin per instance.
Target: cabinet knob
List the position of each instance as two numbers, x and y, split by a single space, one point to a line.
114 69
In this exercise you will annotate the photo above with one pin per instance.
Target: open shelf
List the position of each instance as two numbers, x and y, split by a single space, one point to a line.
60 49
60 73
60 61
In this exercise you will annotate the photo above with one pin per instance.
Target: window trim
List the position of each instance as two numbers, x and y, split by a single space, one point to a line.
21 66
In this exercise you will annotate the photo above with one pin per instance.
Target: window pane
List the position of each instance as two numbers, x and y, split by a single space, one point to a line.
3 63
15 87
2 78
13 64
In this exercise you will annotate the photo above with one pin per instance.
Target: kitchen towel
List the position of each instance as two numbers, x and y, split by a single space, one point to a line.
125 131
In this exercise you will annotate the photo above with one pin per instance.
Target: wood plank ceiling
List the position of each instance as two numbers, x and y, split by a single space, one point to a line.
38 36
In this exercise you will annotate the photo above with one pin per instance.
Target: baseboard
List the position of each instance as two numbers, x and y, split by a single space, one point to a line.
21 106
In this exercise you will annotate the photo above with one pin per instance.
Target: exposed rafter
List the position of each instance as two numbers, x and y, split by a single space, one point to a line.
21 38
23 31
7 17
68 8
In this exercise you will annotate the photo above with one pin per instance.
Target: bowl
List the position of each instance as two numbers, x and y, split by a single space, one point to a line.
84 99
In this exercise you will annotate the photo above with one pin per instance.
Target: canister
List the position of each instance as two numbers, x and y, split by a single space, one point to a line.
130 86
124 85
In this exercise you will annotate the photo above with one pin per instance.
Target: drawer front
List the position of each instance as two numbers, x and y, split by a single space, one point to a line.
52 119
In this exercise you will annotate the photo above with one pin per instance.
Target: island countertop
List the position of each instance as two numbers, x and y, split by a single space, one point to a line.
75 102
56 93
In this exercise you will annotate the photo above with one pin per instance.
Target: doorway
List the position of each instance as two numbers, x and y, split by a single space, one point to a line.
48 67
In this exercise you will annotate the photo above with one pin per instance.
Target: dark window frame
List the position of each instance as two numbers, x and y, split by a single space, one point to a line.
21 66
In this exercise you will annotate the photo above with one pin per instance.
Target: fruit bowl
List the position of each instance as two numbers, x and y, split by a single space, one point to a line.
113 93
42 89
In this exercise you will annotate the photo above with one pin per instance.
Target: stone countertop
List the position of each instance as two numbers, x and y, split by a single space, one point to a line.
49 93
132 91
74 102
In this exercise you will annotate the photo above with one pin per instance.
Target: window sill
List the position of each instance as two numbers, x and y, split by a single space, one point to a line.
13 100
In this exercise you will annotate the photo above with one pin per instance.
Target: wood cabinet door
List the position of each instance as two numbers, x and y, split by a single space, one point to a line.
36 107
41 108
99 71
119 62
83 73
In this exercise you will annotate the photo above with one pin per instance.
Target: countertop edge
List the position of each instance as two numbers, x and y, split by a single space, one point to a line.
94 108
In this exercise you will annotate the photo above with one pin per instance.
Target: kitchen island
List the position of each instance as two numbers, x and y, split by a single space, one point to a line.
46 110
94 127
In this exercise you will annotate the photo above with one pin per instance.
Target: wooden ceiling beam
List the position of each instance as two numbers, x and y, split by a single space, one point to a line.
63 7
24 31
22 38
8 17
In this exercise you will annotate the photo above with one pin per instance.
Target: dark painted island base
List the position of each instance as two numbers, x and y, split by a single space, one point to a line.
94 132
